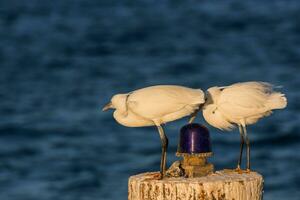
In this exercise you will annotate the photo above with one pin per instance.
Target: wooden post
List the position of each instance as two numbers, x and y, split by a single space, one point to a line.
221 185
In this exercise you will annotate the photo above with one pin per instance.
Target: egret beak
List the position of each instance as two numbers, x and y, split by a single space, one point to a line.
107 107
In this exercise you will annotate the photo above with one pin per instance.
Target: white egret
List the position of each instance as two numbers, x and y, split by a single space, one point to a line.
154 106
241 104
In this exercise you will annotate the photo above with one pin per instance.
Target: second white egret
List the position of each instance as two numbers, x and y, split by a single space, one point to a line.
241 104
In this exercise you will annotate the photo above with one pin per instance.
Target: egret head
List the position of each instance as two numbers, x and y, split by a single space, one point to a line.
210 110
215 118
117 102
212 95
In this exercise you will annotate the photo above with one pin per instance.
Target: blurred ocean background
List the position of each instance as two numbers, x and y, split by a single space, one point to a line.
62 60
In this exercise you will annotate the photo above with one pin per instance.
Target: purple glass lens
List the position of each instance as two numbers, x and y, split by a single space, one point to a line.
194 138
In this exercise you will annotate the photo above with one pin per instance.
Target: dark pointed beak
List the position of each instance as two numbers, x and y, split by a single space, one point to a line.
107 107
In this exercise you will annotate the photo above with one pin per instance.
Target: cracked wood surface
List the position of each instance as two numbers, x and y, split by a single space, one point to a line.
221 185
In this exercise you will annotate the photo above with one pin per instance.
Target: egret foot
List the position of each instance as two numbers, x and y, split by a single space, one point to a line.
155 176
248 170
242 171
239 170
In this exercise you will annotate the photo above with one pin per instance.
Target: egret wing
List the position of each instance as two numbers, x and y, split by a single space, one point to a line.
263 86
158 101
244 99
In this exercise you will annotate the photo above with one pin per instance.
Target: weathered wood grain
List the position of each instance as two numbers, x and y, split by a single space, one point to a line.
221 185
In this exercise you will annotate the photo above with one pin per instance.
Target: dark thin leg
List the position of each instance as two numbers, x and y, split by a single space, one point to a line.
241 148
193 116
248 148
164 145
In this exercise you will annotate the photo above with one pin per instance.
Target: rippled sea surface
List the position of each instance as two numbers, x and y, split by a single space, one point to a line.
61 61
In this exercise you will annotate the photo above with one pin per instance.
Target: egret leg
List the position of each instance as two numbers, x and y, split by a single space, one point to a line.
248 148
238 168
193 116
164 145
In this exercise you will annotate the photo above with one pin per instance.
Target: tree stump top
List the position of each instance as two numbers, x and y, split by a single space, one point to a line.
221 185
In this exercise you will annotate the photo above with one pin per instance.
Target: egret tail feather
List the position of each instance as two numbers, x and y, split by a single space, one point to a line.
277 101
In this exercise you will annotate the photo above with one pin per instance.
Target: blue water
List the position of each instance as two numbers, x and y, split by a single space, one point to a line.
61 61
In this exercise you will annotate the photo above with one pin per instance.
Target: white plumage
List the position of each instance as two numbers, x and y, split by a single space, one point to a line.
241 104
154 106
